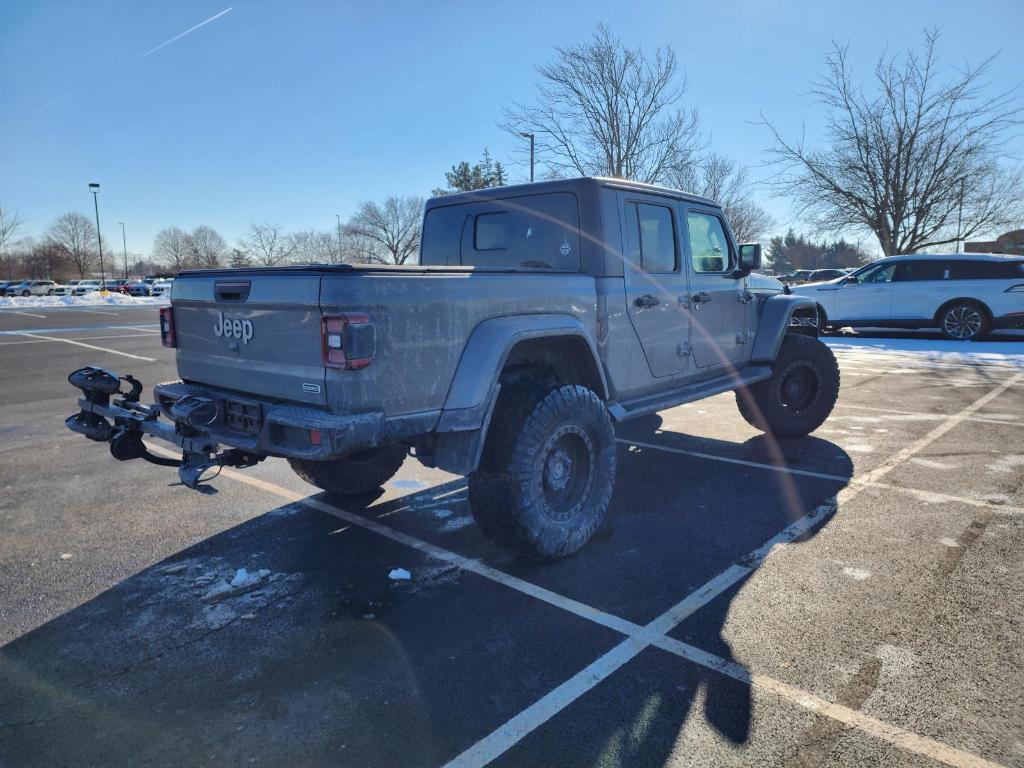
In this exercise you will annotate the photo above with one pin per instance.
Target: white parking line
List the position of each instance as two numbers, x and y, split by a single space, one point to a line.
80 338
88 346
29 314
923 495
927 416
98 312
655 633
508 735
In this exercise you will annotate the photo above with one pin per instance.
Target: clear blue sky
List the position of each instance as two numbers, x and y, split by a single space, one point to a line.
295 111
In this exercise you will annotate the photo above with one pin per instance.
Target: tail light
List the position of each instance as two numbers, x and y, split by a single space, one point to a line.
348 341
167 337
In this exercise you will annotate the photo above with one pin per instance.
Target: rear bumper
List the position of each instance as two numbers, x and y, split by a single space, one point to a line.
281 430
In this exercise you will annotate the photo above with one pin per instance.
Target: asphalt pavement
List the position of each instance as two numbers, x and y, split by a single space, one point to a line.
851 598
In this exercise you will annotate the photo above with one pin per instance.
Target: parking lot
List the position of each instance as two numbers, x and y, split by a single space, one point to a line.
852 598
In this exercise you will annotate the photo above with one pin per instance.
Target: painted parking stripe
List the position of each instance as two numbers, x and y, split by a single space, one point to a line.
81 338
89 346
513 731
23 313
654 634
78 328
918 493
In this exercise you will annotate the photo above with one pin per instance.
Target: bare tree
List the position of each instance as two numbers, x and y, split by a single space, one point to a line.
312 246
10 223
266 244
918 161
607 110
388 232
208 247
76 234
173 247
724 180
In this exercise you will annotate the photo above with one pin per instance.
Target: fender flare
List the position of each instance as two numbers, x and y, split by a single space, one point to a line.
774 322
475 385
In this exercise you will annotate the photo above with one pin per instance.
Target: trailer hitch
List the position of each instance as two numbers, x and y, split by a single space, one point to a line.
132 419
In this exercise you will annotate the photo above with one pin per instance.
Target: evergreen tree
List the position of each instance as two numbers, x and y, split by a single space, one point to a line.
464 177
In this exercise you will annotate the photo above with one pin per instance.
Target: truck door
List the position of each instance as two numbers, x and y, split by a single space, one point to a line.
718 302
655 282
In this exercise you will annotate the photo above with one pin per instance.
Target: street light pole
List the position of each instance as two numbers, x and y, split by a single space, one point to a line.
124 245
338 217
531 137
95 189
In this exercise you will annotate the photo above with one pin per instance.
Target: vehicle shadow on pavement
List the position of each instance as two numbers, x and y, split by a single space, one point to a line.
318 654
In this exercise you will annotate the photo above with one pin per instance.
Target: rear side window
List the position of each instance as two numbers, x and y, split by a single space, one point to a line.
987 270
539 231
651 238
908 271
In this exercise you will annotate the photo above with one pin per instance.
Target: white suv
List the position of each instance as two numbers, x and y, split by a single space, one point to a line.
964 295
35 288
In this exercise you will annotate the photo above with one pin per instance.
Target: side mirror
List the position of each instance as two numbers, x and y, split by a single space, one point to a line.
750 257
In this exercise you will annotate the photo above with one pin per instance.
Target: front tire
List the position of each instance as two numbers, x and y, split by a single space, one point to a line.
547 471
800 394
964 321
352 475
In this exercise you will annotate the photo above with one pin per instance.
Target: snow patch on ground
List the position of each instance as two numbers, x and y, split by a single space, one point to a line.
89 300
1007 463
857 574
457 523
933 350
399 574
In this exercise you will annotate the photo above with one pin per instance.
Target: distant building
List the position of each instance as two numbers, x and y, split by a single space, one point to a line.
1010 242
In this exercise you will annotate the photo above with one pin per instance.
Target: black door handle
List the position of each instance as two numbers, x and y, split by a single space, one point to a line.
646 301
701 298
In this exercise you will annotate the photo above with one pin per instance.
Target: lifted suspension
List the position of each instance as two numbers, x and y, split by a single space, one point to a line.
111 415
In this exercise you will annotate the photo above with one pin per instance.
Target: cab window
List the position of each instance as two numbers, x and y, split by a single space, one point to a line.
650 238
709 247
883 273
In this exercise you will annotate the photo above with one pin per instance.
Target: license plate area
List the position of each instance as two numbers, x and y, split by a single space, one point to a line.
243 416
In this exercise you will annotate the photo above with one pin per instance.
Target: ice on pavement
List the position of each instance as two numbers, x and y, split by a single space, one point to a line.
399 574
244 579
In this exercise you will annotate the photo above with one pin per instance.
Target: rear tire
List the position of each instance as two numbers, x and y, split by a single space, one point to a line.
964 321
800 394
352 475
547 471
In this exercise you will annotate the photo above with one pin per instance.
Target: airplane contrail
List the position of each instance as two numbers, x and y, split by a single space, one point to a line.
187 31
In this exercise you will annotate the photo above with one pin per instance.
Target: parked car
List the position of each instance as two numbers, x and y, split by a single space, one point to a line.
8 284
85 286
120 285
797 277
31 288
61 289
521 368
139 288
964 295
821 275
161 287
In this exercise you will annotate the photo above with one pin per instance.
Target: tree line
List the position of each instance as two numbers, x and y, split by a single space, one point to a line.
916 158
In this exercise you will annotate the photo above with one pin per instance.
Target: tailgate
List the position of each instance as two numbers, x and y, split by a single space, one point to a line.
256 334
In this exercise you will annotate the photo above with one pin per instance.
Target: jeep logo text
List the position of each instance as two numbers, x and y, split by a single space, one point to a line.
233 329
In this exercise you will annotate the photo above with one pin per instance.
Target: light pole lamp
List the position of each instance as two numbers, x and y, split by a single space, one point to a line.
95 189
532 138
124 245
338 217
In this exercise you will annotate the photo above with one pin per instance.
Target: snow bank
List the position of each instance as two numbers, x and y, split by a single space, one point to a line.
89 300
1003 352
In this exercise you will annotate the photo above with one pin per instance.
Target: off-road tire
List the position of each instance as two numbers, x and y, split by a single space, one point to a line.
546 474
352 475
964 321
800 394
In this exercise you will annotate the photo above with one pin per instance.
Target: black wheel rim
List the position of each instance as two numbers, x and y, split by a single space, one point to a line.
798 387
565 472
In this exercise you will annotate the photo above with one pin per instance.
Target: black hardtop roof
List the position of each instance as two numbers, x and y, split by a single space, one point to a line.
580 185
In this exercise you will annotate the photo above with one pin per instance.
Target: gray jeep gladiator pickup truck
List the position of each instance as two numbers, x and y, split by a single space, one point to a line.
539 316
